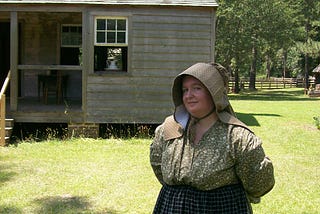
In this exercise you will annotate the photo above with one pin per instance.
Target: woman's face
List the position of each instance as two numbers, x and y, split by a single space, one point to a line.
196 98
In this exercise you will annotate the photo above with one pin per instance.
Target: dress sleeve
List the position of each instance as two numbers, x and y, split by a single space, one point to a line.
253 167
156 153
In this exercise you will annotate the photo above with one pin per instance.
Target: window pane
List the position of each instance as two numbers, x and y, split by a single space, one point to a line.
121 37
100 37
114 59
65 29
71 36
110 58
101 24
111 37
121 24
111 24
73 29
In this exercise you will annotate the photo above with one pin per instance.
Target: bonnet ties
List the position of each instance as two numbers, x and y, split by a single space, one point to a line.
205 116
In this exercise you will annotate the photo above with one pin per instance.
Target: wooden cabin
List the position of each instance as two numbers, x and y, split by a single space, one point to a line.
98 62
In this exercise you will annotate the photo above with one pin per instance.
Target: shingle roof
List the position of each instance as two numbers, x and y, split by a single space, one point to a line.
202 3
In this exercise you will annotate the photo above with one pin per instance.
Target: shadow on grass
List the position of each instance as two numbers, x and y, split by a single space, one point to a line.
273 95
66 204
9 210
62 204
5 173
5 176
250 120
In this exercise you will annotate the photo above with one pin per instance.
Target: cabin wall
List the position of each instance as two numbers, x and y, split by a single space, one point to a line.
162 43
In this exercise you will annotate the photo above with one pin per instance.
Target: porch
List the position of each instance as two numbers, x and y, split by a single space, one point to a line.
33 105
33 110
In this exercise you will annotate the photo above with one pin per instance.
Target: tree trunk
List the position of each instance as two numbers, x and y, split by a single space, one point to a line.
236 81
284 63
252 83
306 56
268 67
306 72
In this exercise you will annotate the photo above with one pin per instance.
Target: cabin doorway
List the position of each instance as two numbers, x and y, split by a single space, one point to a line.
4 52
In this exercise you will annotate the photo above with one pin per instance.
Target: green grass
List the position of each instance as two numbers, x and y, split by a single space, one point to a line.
284 121
114 176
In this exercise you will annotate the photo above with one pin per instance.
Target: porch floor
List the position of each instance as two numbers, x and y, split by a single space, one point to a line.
31 109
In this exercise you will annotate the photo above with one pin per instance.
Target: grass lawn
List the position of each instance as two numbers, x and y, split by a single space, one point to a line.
114 175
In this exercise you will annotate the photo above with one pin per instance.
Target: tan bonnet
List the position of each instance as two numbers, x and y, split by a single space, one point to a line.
215 78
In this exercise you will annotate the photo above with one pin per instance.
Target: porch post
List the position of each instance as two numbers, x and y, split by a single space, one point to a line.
87 56
14 60
213 35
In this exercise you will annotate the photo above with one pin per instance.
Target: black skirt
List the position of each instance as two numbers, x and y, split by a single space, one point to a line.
184 199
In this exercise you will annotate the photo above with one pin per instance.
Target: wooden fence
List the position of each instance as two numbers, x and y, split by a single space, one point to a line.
272 83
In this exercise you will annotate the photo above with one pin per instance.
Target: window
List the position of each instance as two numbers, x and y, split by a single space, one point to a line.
71 36
111 44
71 41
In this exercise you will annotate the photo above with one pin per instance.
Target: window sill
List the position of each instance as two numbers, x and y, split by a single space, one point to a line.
111 72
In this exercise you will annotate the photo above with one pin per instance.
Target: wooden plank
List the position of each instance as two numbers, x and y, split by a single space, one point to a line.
2 120
129 80
213 34
87 56
195 42
14 60
206 3
41 8
150 95
148 33
50 67
162 65
166 49
47 117
154 116
195 12
186 18
130 89
141 105
172 27
155 57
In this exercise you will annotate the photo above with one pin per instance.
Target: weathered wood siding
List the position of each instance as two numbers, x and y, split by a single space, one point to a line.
162 43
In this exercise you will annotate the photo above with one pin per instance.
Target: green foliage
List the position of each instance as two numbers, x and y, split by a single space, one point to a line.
270 26
317 121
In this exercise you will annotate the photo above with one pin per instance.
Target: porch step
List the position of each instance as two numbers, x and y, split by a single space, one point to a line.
9 129
9 122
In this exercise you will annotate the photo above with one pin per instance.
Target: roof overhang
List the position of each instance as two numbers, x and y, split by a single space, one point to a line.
191 3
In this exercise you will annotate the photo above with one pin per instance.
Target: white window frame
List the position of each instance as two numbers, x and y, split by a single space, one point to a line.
106 30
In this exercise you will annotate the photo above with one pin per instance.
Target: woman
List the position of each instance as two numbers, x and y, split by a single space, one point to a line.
206 159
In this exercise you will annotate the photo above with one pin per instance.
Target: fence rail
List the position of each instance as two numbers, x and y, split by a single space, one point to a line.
272 83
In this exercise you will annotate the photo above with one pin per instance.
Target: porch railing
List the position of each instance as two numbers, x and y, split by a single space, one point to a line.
3 110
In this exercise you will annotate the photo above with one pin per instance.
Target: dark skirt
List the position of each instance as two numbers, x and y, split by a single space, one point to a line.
184 199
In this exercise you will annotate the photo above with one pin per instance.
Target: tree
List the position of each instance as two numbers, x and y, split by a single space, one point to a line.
232 45
308 25
250 29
